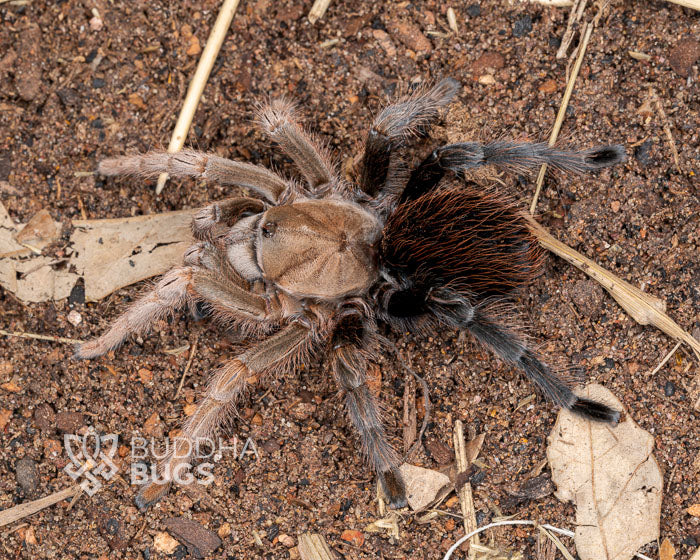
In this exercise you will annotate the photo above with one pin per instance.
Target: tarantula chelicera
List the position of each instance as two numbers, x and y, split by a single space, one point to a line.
312 266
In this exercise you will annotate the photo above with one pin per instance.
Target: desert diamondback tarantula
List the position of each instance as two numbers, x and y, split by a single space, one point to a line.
313 266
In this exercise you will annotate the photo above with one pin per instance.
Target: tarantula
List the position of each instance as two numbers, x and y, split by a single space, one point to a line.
313 266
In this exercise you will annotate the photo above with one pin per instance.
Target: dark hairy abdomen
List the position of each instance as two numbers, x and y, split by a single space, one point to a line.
463 236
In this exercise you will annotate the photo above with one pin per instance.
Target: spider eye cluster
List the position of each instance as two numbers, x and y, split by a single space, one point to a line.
269 228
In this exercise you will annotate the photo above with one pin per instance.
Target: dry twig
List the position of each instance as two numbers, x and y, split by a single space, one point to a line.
318 10
21 334
667 128
643 308
562 109
466 500
313 546
187 367
695 5
23 510
201 75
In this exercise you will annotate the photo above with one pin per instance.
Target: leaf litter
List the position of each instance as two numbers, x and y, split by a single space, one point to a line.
612 477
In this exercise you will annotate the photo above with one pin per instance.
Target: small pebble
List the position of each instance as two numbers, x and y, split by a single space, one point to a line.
683 56
669 389
69 422
353 537
74 318
474 10
27 476
522 26
642 153
164 543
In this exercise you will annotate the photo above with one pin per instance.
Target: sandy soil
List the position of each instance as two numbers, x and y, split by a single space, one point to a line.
74 92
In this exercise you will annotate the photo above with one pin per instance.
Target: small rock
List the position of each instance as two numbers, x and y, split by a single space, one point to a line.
270 446
145 375
303 411
44 417
588 296
353 537
474 10
615 205
669 389
152 426
642 153
286 540
411 36
11 387
522 26
52 449
98 83
27 476
69 422
549 86
385 41
683 56
135 99
6 368
200 542
487 80
68 96
112 530
96 23
194 46
488 63
439 452
74 318
5 415
189 409
224 531
257 419
164 543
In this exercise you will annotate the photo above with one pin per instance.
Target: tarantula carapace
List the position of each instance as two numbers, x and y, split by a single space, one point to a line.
313 266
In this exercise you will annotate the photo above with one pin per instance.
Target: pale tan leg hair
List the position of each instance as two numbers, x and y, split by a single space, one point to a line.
189 163
169 295
276 353
314 162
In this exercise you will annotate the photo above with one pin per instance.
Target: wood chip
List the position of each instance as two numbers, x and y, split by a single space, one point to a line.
200 542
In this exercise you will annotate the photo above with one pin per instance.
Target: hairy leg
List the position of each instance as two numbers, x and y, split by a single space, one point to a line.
349 369
515 156
277 119
393 125
169 295
205 277
454 310
276 353
189 163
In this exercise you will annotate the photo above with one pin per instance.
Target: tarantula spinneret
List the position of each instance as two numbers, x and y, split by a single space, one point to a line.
313 267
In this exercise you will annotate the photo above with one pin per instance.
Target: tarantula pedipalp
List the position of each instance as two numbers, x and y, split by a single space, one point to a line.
314 266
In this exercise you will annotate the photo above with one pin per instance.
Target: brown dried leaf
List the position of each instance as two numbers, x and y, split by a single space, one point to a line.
424 486
611 476
666 550
115 253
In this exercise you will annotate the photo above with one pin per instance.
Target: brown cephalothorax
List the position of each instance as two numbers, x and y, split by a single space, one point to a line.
313 267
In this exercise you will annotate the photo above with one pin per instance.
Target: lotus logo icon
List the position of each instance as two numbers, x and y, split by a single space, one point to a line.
91 457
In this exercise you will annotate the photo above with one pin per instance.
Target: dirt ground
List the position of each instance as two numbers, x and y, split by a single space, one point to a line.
77 88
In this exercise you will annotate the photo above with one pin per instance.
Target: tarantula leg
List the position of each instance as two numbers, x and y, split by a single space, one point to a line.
277 119
227 298
169 294
516 156
393 125
349 368
271 355
454 310
218 217
189 163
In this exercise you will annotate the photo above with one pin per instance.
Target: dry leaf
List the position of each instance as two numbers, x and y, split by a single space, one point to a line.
424 486
35 280
666 551
115 253
612 477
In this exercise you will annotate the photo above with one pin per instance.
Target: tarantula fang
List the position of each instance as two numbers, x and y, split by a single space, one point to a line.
314 266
